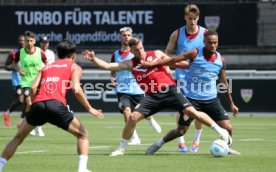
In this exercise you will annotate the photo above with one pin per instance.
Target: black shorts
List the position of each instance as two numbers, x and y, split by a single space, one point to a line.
26 91
128 100
155 102
51 111
17 90
212 107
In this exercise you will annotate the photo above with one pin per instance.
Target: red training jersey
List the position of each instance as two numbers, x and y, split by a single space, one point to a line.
154 79
55 81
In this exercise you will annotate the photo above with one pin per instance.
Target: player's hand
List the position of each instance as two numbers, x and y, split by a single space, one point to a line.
22 73
235 110
96 112
145 64
89 55
113 81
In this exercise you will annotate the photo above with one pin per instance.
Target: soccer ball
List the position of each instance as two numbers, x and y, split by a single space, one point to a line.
219 148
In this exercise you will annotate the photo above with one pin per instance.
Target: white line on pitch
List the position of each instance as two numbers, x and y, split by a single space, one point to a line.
99 147
35 151
249 140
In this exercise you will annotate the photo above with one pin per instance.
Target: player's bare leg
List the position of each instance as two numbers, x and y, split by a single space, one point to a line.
11 147
127 132
201 117
196 140
134 140
78 130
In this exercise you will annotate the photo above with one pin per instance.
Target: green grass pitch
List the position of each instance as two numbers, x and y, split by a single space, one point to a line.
254 137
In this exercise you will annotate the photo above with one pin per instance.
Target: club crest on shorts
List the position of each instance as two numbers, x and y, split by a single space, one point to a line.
212 22
246 94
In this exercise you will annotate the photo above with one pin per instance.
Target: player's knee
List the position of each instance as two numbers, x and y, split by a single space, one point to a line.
228 128
132 119
191 112
181 130
83 133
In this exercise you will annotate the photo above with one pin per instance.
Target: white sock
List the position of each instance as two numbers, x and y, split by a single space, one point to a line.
160 142
83 162
217 128
123 143
197 136
134 135
8 112
3 162
39 128
181 140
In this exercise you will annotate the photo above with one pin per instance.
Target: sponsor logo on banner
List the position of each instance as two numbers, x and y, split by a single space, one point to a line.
212 22
246 94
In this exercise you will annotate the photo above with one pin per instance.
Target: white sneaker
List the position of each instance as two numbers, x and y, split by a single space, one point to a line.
233 152
136 141
32 133
40 132
117 152
152 149
226 137
155 126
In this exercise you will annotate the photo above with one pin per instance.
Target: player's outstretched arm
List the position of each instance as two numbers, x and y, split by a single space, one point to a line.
79 94
90 55
166 60
223 79
171 44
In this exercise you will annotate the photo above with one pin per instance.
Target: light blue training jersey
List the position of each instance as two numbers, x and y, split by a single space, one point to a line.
184 44
126 83
202 76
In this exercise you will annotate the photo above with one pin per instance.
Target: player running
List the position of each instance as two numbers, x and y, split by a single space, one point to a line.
128 91
49 104
15 81
206 65
160 89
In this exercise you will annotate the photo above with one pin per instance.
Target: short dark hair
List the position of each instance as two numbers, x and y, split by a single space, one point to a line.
30 34
210 32
134 41
65 49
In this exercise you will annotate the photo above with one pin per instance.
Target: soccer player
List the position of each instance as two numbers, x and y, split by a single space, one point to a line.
185 38
206 65
44 45
128 91
160 89
49 104
15 81
31 60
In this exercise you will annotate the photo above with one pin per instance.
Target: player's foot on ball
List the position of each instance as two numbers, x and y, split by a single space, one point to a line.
152 149
118 152
194 147
233 152
182 147
226 137
6 119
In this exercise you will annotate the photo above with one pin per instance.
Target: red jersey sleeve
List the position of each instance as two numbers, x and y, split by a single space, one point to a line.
43 57
17 56
112 58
